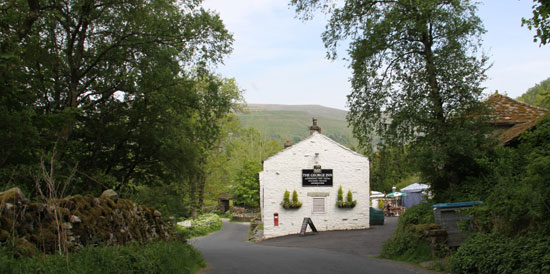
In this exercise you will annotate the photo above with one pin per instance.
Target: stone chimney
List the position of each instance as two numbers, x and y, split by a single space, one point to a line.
287 144
314 127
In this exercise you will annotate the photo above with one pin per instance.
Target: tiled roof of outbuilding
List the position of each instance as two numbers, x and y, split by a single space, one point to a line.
509 112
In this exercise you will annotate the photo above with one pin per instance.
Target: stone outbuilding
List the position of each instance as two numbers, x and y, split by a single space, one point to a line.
315 168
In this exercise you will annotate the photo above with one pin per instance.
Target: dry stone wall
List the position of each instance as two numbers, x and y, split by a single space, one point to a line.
75 222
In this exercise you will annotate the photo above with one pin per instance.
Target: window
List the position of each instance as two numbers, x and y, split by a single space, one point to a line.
318 205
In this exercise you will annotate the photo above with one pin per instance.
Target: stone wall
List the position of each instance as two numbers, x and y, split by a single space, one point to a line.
75 222
283 172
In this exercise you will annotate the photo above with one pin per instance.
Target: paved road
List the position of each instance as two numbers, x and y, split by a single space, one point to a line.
227 251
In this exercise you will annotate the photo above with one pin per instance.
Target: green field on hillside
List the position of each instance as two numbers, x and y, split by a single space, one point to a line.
289 123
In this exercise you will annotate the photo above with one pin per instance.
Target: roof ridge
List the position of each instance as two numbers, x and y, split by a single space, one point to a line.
519 102
340 145
311 136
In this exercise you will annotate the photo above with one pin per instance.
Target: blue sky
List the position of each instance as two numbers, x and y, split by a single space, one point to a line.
279 59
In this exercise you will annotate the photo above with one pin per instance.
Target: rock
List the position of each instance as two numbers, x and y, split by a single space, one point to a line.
67 226
13 195
109 193
8 206
75 219
14 190
83 218
4 235
50 209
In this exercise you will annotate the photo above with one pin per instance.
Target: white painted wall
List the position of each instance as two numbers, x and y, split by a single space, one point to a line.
283 171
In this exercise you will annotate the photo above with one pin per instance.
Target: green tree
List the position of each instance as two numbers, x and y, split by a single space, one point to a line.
389 166
539 95
114 87
247 187
540 21
238 146
417 76
217 98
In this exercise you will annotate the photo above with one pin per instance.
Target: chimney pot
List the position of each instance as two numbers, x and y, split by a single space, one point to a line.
287 144
314 127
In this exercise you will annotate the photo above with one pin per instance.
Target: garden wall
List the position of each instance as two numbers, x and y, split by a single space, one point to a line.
76 221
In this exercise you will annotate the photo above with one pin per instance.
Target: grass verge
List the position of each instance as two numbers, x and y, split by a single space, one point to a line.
156 257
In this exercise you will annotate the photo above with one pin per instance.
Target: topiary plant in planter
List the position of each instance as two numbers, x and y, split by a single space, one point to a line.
348 203
349 199
295 202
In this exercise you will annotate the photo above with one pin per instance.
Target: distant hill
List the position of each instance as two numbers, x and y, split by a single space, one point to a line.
539 95
292 122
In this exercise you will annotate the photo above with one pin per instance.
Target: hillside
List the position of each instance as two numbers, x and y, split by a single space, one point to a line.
292 122
539 95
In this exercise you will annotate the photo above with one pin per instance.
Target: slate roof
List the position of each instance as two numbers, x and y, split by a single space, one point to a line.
516 116
314 134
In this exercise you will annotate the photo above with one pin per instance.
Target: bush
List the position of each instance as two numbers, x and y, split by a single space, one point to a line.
407 246
157 257
408 243
493 253
247 188
203 225
418 214
518 201
170 200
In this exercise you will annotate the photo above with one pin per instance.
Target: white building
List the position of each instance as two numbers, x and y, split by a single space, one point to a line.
316 168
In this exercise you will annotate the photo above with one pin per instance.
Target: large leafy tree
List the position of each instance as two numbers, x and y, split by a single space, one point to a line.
217 98
540 21
247 188
417 72
238 155
116 88
389 166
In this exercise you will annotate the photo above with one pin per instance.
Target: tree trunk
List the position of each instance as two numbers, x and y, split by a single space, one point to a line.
438 130
192 192
435 95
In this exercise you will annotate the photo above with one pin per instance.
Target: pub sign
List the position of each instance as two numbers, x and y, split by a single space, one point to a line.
312 177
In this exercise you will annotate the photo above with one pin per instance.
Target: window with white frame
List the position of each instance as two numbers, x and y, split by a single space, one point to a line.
319 205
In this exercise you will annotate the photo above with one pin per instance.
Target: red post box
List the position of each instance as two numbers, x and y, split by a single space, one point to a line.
276 218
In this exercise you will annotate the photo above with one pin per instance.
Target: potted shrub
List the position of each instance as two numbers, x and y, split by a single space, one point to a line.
295 203
348 203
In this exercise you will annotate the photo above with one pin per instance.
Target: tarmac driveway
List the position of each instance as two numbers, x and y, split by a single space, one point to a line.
365 242
227 251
